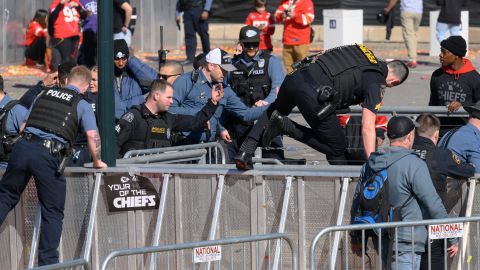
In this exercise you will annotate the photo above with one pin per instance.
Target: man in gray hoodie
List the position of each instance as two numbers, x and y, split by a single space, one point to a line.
411 191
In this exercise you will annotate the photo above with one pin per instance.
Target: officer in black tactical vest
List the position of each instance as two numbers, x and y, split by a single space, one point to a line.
50 130
320 87
256 82
12 114
441 163
150 125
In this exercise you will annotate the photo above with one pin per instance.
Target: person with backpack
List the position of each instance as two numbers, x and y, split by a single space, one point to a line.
405 193
12 114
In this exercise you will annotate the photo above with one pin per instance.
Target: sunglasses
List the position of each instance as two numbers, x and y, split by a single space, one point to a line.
165 76
251 45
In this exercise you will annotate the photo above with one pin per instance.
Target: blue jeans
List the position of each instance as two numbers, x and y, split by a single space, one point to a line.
405 261
443 28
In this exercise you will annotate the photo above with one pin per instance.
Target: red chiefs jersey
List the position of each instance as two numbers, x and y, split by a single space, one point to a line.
67 23
265 22
34 31
296 29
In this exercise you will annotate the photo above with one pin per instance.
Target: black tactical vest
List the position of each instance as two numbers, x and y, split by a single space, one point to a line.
151 131
253 83
345 66
8 140
426 151
55 111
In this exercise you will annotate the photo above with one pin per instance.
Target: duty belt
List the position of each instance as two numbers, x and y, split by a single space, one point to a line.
52 145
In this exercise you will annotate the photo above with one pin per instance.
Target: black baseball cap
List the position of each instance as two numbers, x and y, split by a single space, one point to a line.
249 34
399 126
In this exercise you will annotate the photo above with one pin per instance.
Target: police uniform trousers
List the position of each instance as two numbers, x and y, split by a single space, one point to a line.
325 136
31 158
193 25
241 132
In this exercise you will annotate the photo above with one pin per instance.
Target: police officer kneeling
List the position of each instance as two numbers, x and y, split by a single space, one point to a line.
338 78
150 125
50 129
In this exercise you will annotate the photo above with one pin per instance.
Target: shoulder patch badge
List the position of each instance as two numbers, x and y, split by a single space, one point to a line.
456 159
128 117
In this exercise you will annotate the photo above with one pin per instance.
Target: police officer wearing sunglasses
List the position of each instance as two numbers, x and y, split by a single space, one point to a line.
256 82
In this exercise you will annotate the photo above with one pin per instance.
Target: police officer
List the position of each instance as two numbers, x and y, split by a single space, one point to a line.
256 82
42 152
338 78
441 163
195 21
80 153
12 114
192 90
150 125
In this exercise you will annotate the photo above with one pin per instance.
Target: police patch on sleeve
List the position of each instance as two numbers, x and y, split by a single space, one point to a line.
128 117
456 159
117 129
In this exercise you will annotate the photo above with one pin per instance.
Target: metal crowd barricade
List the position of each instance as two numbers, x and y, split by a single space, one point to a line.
215 152
382 226
332 248
222 242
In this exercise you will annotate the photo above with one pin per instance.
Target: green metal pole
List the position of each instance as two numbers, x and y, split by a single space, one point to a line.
105 76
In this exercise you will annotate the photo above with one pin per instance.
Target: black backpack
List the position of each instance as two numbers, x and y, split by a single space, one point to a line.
373 200
7 141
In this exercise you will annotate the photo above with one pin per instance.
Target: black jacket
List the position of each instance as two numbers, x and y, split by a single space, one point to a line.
450 11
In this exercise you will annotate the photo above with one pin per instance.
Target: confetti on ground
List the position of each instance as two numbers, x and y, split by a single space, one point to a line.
21 70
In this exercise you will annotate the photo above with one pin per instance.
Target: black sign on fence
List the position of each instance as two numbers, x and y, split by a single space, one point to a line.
125 193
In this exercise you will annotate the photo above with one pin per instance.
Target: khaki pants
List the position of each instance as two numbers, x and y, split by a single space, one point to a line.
410 24
293 53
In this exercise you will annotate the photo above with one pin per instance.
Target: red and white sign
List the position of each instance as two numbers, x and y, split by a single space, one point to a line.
207 254
442 231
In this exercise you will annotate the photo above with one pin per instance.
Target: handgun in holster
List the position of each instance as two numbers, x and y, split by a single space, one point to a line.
65 152
326 98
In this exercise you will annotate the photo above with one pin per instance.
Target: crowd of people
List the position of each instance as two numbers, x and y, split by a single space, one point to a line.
243 101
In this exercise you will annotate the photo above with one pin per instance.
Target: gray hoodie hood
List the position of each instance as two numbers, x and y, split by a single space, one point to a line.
384 158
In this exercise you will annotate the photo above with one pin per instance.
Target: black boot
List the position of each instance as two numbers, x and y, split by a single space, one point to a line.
278 125
243 161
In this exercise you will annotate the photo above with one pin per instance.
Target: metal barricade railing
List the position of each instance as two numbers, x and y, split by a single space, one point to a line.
222 242
408 110
214 152
383 226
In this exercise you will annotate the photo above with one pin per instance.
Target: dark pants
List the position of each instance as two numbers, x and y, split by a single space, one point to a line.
80 156
325 136
36 50
437 255
64 50
193 25
88 50
240 132
30 158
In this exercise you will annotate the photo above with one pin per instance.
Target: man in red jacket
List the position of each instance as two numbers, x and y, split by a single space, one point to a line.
296 16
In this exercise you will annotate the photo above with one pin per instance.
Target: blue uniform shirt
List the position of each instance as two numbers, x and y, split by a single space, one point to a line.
465 142
15 116
86 119
189 99
275 72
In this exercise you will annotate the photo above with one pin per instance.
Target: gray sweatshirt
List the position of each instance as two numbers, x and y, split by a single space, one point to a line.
408 174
